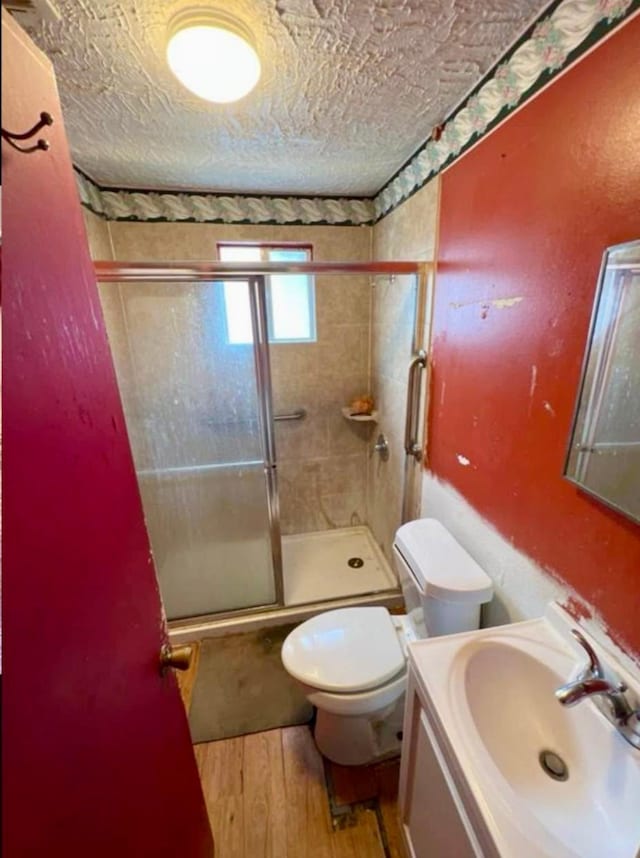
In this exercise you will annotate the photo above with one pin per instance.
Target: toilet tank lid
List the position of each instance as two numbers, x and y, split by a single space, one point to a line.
440 565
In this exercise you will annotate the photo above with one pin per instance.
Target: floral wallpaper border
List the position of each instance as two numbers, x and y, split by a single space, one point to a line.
218 208
556 40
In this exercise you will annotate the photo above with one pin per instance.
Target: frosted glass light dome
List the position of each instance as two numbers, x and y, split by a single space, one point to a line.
212 54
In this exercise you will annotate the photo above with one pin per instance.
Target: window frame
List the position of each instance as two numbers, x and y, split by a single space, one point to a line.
264 247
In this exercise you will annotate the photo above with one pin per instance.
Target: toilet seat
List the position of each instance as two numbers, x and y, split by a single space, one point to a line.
359 702
346 652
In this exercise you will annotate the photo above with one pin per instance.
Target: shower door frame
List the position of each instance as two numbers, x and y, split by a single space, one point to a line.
254 274
260 329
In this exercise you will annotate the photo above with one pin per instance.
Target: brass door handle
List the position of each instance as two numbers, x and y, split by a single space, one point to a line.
177 657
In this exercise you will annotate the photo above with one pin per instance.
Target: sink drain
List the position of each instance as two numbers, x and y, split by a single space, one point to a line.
355 562
553 765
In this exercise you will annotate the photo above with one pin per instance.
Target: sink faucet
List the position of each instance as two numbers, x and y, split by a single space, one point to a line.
609 697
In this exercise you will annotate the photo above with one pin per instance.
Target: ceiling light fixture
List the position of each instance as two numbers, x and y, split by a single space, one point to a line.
212 54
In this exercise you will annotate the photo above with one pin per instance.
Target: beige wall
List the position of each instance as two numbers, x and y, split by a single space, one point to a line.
408 233
98 235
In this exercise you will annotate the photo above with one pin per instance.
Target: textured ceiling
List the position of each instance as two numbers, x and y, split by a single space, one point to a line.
349 90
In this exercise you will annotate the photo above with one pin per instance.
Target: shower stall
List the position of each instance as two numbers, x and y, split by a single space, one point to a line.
256 481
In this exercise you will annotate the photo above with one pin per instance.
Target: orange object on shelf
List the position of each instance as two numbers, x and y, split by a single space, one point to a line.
362 405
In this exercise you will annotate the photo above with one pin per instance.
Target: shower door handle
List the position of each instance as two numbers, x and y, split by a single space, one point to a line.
411 445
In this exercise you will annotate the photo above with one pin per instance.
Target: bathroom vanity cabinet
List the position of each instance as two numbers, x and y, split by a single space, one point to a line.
435 822
475 779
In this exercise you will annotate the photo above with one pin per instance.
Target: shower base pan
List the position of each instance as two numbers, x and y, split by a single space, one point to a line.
333 564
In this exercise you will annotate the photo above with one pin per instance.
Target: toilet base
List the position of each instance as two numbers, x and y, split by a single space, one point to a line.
359 740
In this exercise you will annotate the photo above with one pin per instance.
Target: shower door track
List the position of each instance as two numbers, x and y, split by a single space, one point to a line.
187 629
202 270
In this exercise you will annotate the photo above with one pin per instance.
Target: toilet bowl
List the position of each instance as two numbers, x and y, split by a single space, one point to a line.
352 662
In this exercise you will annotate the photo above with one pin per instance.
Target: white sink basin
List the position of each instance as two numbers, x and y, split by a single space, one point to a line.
492 694
596 810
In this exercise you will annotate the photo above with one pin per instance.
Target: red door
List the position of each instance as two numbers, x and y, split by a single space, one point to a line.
97 759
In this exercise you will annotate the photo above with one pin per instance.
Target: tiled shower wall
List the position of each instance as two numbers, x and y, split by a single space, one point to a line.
409 232
98 235
323 458
329 476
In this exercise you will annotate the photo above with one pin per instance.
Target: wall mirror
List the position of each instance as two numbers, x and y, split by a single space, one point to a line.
604 447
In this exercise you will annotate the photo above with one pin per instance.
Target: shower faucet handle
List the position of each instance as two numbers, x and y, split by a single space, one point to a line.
382 447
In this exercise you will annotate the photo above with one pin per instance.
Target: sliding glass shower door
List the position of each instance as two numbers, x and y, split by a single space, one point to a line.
192 365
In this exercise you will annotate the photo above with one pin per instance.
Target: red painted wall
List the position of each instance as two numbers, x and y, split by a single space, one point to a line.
527 215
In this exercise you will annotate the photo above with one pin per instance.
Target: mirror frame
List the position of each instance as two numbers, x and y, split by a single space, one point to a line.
591 372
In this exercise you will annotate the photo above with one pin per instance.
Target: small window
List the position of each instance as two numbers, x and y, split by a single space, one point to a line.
291 315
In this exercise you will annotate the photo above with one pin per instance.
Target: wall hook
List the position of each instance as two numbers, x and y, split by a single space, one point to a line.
10 137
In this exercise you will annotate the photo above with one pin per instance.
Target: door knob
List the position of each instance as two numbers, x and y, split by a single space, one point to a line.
177 657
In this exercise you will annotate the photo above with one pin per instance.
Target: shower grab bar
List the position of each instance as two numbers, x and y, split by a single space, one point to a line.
300 414
411 445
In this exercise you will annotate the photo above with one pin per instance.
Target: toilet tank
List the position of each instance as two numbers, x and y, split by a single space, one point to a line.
442 585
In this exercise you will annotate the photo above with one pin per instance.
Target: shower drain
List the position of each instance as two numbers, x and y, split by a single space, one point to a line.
553 765
355 562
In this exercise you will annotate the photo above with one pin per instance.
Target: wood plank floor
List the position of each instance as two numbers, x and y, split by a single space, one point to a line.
270 795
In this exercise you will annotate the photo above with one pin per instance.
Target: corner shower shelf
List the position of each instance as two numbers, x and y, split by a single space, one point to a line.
360 418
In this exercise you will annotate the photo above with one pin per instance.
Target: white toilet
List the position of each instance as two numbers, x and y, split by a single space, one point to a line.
352 662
